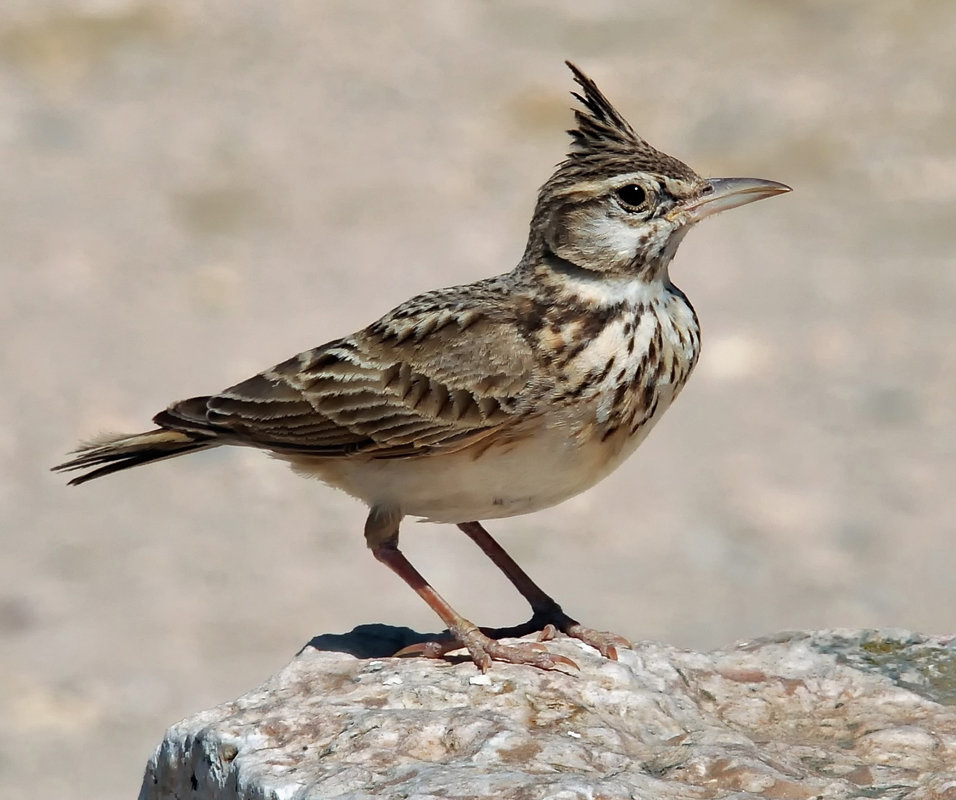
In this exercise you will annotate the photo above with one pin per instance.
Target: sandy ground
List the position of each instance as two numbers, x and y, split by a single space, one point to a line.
191 191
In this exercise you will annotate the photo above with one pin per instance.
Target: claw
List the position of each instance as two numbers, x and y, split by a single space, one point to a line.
432 649
548 632
605 643
565 662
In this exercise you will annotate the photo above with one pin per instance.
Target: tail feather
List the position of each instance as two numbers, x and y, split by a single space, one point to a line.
113 453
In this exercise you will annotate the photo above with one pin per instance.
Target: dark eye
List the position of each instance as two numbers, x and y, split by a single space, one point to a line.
632 197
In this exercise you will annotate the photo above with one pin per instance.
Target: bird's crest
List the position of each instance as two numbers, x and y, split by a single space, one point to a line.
602 134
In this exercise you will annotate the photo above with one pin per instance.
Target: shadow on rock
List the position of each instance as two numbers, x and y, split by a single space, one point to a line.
374 640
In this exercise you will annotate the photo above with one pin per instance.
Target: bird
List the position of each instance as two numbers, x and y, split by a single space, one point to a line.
495 398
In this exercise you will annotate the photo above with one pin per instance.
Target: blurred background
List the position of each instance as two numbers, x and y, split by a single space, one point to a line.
192 191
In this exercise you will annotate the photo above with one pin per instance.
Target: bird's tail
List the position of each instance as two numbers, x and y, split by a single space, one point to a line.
112 453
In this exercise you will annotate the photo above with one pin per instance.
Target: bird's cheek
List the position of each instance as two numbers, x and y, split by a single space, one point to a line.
596 243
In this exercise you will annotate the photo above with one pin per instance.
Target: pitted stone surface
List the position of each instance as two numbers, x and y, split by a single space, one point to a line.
834 714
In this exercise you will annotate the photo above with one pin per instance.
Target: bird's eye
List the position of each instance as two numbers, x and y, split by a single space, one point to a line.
632 197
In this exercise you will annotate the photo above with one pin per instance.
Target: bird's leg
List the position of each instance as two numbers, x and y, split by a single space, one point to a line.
381 534
547 615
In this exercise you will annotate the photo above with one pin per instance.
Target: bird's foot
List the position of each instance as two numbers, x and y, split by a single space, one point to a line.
605 642
484 650
551 620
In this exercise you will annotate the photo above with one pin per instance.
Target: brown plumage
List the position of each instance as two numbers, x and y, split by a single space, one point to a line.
494 398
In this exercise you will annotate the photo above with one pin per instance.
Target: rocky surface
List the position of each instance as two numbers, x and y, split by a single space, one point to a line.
833 714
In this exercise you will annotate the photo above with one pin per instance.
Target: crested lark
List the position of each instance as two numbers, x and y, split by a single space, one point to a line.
496 398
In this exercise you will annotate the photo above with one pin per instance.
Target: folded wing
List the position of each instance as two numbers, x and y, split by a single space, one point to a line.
421 379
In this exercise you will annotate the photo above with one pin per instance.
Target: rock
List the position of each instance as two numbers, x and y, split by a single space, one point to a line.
833 714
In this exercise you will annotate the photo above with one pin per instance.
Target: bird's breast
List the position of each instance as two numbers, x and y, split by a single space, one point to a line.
622 377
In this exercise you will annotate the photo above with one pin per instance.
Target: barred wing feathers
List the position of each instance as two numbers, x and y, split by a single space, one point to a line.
436 380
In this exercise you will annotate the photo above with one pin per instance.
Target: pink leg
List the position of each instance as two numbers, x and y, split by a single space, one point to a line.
482 648
546 613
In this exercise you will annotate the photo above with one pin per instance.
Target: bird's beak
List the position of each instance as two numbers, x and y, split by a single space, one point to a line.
727 193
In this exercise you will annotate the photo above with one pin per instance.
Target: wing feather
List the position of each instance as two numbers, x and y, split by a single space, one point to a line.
430 376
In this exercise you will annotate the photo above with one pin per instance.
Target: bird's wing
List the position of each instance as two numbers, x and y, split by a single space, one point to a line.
422 379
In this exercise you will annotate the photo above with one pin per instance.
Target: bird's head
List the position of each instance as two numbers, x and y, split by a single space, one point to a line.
618 206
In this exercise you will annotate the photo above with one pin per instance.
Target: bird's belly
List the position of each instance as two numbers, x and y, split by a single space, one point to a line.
502 480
